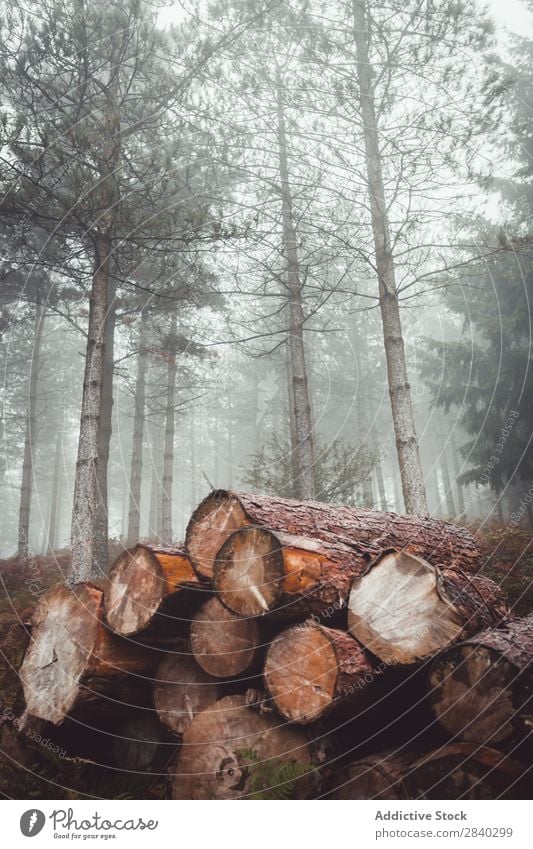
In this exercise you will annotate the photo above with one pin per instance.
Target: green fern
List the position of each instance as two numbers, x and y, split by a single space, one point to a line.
272 780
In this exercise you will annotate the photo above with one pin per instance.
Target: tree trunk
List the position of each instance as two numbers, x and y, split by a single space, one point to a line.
450 506
481 690
467 771
310 669
26 486
381 487
364 532
168 456
156 497
74 661
457 472
404 609
134 513
55 497
223 644
140 581
231 751
301 412
85 507
182 690
400 393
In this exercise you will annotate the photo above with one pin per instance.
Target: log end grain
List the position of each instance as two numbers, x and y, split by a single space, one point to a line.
249 572
223 644
233 752
181 691
217 516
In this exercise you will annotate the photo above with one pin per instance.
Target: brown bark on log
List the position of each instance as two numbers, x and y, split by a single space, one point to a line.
223 644
231 751
404 609
482 689
374 777
140 581
467 771
74 660
366 532
310 669
182 690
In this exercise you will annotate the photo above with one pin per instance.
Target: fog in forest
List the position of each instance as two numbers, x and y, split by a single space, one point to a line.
276 246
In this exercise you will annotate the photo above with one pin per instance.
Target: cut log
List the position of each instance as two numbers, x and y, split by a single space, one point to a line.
310 669
182 690
481 690
467 771
141 580
374 777
231 751
142 744
404 609
74 659
365 532
223 644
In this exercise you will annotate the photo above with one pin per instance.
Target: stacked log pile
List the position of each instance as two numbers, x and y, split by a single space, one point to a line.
291 650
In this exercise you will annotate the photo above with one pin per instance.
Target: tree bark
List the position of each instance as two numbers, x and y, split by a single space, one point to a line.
223 644
467 771
140 581
301 412
365 532
231 751
182 690
168 456
104 439
404 609
74 661
86 494
481 689
26 486
134 513
55 496
310 670
400 393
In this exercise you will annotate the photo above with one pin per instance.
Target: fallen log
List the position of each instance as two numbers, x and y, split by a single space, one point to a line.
403 609
373 777
223 644
310 669
482 690
231 751
74 660
182 690
365 532
467 771
146 583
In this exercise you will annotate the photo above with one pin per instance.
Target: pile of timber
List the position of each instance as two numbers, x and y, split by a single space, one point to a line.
291 650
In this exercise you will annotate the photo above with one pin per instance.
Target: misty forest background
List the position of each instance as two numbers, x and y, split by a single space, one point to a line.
281 246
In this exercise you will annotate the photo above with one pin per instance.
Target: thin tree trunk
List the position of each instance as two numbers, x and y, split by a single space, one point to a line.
304 454
381 487
134 513
155 485
85 501
55 497
456 472
192 434
106 431
359 345
400 393
29 438
168 456
450 506
292 429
